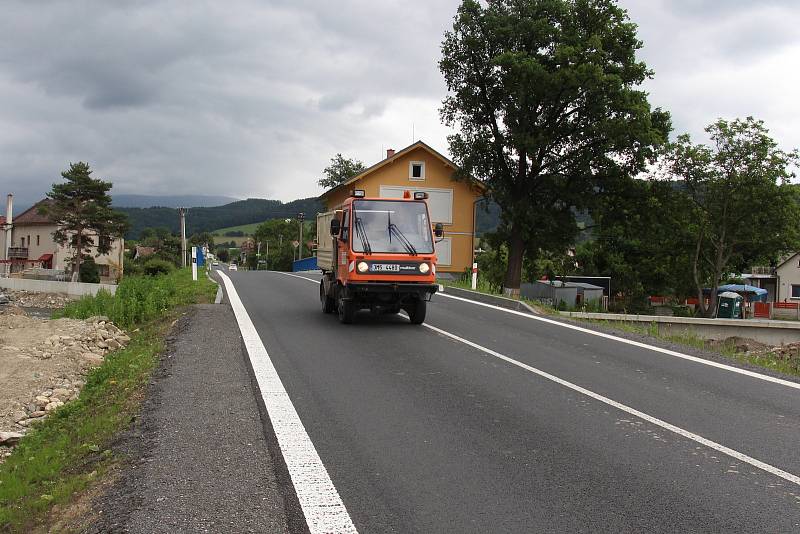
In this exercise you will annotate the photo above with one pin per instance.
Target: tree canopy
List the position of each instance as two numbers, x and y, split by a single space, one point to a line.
743 209
81 208
546 97
339 171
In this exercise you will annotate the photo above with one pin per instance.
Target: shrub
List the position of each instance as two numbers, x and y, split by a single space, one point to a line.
140 298
89 271
156 267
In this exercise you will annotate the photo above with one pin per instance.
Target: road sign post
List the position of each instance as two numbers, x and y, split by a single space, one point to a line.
474 276
194 264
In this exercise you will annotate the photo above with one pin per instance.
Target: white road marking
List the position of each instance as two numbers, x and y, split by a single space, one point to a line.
676 354
322 506
641 415
297 276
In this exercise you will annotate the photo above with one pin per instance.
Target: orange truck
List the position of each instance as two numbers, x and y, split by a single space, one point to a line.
377 254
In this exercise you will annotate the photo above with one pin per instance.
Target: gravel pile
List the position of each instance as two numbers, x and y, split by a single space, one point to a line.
43 364
32 299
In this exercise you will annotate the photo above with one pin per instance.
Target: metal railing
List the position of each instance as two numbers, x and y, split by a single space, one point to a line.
18 253
761 269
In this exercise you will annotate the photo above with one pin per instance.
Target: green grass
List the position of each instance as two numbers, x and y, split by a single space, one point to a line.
767 360
142 298
66 452
248 229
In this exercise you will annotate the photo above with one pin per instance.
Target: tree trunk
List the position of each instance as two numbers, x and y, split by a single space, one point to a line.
516 252
79 257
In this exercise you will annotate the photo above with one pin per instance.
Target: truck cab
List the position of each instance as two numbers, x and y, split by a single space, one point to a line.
377 254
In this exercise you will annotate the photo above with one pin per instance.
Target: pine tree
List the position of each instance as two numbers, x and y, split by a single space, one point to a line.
81 208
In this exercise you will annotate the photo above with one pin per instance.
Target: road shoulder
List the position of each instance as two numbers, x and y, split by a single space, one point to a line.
197 458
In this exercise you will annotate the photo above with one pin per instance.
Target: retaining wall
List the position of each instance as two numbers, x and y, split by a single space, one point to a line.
73 289
770 332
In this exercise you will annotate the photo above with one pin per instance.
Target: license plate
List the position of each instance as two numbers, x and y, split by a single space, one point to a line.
384 268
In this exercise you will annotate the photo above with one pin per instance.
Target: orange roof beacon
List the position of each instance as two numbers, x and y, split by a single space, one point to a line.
377 254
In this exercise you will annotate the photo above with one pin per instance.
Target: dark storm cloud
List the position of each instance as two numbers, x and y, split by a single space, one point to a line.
252 98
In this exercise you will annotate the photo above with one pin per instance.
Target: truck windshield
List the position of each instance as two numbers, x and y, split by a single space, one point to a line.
391 226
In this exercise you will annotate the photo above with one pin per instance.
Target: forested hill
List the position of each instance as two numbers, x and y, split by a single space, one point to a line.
206 219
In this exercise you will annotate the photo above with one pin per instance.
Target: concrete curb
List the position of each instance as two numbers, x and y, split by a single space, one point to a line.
496 300
220 293
763 330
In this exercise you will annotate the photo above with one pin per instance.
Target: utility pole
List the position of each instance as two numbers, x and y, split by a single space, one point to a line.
300 218
182 212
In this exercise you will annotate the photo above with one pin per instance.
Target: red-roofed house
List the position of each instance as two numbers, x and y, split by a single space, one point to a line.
32 245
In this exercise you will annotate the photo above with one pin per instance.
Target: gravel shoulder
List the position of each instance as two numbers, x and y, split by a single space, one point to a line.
198 459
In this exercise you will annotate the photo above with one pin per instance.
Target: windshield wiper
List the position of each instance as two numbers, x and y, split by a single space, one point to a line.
362 235
401 237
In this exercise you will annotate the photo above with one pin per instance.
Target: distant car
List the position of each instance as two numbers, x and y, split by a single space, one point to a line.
215 263
233 267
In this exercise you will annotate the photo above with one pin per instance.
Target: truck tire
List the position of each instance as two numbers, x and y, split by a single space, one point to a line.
328 304
347 311
417 310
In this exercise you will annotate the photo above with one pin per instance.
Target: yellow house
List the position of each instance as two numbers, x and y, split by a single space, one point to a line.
418 167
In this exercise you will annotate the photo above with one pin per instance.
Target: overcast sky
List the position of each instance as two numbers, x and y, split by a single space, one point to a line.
252 98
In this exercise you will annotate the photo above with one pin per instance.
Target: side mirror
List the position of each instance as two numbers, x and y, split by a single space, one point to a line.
336 227
438 230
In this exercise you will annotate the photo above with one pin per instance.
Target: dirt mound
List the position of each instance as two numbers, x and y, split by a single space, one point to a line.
32 299
43 364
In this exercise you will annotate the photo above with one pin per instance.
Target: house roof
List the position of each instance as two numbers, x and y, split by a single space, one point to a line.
395 156
32 215
786 260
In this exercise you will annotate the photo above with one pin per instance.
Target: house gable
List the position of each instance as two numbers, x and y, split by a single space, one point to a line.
418 167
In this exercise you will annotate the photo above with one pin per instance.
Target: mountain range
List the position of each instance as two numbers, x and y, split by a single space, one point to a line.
169 201
206 219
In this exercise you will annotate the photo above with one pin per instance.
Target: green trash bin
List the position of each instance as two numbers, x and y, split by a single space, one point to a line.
729 305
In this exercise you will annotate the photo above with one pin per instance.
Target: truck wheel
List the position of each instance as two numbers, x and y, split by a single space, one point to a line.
416 311
347 311
328 304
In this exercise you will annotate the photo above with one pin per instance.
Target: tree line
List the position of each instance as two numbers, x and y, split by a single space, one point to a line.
546 98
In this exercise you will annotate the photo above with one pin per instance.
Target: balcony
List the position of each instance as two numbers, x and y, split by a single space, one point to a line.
17 253
761 269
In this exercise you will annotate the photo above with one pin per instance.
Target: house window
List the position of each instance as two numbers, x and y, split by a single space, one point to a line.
103 270
37 240
22 242
795 291
416 170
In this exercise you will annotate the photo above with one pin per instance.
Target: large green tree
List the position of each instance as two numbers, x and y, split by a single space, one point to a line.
81 208
339 171
639 238
546 97
744 210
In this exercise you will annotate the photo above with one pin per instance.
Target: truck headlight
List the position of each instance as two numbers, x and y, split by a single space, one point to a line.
424 268
362 267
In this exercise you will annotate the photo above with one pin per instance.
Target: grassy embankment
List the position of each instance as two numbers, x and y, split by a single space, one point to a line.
787 364
68 451
248 229
769 360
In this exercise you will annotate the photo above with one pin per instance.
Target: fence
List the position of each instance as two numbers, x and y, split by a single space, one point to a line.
773 310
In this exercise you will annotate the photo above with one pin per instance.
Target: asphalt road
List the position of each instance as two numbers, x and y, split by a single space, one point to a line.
198 459
422 433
